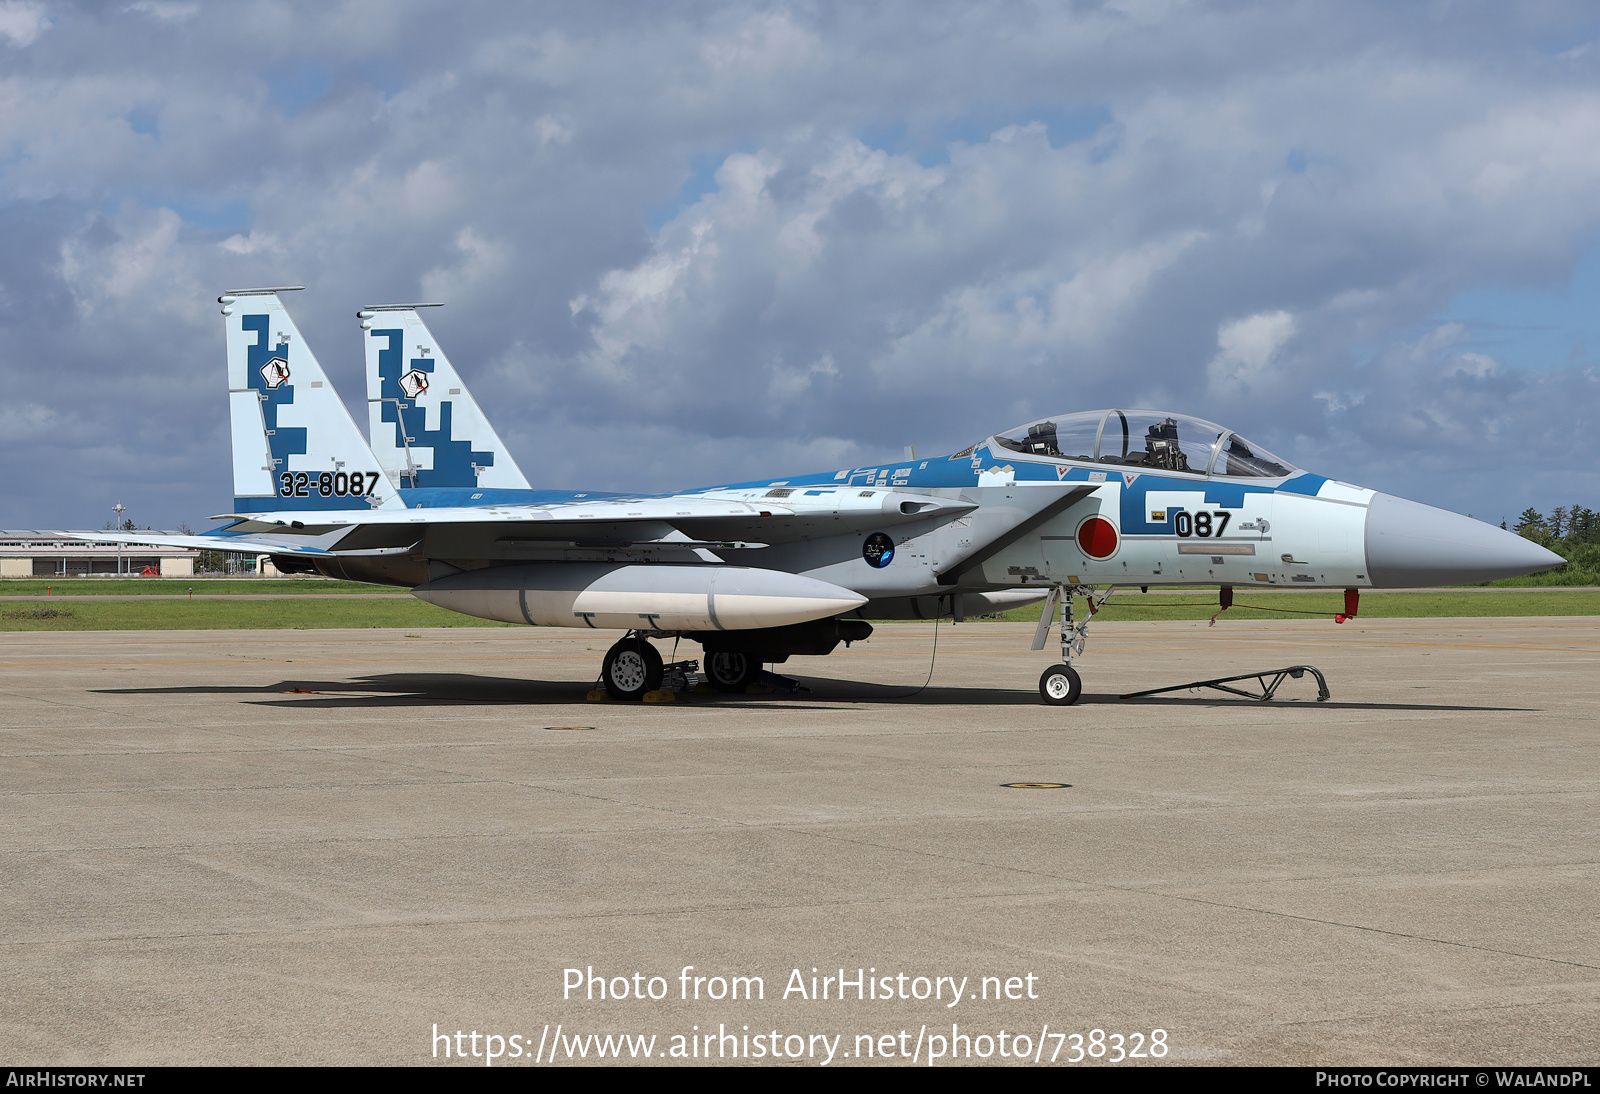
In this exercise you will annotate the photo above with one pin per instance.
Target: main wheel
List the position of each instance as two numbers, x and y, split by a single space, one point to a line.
631 668
731 672
1060 685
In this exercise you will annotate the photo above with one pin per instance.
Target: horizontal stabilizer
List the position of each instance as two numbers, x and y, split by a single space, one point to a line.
193 543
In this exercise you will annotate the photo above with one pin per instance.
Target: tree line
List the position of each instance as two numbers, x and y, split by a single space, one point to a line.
1571 526
1573 532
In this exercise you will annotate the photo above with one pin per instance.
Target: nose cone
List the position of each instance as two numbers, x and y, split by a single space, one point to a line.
1411 545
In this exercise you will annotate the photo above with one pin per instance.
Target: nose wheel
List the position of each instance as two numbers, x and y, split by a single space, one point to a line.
631 668
1060 685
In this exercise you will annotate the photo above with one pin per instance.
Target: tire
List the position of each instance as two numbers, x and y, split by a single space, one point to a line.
1060 685
631 668
731 672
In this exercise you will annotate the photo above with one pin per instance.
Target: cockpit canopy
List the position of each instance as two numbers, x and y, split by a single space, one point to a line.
1147 439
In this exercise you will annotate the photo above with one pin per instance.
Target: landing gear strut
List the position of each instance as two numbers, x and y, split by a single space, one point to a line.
1061 685
631 668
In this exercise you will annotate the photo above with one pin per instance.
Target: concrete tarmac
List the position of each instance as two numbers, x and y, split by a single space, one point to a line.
338 846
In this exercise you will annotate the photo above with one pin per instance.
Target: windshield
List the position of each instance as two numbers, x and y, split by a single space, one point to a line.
1166 442
1240 457
1145 438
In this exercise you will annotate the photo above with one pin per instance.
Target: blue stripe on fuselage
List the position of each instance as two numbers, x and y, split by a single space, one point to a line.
947 472
1136 507
940 472
440 497
1304 483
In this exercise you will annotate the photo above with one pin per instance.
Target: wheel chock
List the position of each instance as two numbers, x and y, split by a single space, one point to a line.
661 695
599 695
771 683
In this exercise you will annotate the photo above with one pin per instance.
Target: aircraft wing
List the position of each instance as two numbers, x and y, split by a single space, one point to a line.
742 518
263 543
1010 523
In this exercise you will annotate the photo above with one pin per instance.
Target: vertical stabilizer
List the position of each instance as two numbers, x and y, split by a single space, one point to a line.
295 445
426 428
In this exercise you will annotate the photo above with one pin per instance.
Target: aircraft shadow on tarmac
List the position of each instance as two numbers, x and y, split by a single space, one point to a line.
438 689
429 689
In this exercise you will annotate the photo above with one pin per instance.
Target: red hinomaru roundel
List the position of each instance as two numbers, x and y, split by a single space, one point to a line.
1097 537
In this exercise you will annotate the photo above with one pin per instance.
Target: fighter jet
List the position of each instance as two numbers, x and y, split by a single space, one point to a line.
1078 504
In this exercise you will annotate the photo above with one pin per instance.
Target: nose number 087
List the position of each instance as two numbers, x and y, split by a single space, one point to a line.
1202 524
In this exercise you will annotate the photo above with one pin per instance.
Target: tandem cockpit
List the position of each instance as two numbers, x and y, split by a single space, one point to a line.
1147 439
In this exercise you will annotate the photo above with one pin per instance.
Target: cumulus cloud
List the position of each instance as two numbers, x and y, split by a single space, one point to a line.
176 11
22 21
759 239
1247 351
116 263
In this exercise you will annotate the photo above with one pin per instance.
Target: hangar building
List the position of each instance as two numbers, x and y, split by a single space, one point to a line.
32 553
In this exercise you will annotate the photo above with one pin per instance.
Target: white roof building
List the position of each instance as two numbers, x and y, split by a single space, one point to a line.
34 553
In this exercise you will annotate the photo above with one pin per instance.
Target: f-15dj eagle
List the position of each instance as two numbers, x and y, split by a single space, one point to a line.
1076 504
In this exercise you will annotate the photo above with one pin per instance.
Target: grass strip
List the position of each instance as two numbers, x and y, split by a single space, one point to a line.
211 586
1133 605
199 615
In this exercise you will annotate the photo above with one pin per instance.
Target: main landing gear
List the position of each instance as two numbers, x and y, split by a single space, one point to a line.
1061 685
632 667
731 672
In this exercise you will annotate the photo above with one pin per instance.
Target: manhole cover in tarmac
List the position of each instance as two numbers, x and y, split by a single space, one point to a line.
1037 786
569 727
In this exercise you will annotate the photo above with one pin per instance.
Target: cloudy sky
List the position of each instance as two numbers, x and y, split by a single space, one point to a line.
692 243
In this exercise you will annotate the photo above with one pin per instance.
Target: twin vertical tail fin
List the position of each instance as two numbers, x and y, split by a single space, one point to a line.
426 428
294 443
295 446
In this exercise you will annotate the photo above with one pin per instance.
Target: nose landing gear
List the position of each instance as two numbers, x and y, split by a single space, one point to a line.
1061 685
